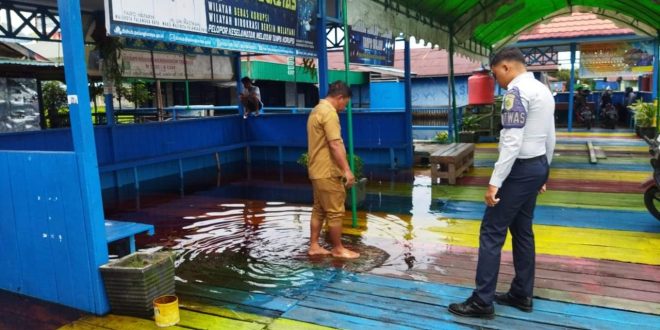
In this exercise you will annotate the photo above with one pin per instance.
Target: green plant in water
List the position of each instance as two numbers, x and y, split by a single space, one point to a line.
644 113
303 160
441 137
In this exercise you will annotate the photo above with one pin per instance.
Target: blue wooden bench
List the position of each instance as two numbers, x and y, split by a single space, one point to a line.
117 230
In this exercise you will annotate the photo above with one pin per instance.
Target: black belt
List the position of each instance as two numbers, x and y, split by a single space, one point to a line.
527 160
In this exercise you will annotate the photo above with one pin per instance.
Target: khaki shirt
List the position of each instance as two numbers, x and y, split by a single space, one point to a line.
322 126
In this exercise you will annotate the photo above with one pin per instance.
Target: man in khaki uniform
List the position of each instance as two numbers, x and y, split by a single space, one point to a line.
329 170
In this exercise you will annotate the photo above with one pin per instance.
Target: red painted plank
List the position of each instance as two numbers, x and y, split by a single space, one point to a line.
570 185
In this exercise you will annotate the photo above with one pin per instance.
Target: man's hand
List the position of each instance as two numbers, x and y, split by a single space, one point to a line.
490 198
350 179
542 190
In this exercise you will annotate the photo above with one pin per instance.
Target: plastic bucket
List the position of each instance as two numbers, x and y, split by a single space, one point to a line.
166 311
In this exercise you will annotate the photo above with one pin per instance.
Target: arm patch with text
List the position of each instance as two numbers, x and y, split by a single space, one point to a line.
514 114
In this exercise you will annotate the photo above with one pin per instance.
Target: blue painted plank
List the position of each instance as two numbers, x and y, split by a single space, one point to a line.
596 313
511 317
10 276
410 306
232 296
116 230
31 227
338 320
557 216
50 168
79 275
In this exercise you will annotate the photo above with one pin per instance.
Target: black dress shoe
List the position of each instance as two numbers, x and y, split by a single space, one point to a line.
472 308
523 304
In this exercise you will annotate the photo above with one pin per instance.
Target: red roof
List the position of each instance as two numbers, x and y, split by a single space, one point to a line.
425 62
574 25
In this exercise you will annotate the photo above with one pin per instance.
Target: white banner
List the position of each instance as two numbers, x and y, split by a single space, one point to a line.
169 66
137 64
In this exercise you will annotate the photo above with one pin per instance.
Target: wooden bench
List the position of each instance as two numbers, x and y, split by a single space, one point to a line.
451 161
117 230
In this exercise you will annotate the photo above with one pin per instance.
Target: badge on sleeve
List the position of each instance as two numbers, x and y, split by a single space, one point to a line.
514 114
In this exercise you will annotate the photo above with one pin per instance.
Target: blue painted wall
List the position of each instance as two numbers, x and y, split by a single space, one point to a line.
374 133
48 256
433 92
386 95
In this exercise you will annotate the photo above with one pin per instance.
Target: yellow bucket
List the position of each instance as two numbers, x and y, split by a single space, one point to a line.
166 311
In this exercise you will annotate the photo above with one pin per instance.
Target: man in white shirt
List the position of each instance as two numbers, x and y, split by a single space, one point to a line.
527 143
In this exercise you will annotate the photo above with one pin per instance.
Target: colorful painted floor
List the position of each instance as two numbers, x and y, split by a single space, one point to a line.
242 264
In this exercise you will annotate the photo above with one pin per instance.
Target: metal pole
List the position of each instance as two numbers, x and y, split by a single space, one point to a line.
237 76
571 88
185 71
349 109
408 99
40 99
656 76
84 147
322 52
452 86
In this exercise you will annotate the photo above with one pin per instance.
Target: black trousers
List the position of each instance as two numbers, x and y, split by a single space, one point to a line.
514 212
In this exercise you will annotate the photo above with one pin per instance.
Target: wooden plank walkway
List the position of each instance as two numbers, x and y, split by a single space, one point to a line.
598 265
354 301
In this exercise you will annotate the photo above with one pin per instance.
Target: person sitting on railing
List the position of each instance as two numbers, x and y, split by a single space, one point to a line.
250 98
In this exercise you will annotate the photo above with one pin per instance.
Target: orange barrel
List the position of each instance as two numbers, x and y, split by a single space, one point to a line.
481 88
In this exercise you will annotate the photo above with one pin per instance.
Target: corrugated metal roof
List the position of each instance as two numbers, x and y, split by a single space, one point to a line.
573 26
14 61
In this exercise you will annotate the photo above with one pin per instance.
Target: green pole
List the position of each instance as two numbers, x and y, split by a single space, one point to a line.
349 110
452 85
187 94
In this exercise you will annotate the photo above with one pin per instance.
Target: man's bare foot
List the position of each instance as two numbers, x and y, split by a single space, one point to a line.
344 253
318 251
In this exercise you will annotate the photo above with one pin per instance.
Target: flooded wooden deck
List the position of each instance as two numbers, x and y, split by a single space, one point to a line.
598 260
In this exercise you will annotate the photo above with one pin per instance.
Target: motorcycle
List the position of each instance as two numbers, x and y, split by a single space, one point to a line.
610 116
652 185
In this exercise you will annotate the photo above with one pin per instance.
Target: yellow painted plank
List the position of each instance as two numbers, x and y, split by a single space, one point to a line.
597 134
625 246
571 174
288 324
208 308
196 320
114 322
483 146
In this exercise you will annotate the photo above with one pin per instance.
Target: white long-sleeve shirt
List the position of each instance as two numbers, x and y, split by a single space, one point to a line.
528 119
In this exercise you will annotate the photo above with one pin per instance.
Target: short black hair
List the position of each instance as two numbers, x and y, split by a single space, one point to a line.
507 54
339 88
246 79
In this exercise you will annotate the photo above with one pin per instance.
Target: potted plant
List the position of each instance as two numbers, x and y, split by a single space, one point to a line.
441 137
645 114
361 181
469 126
134 281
